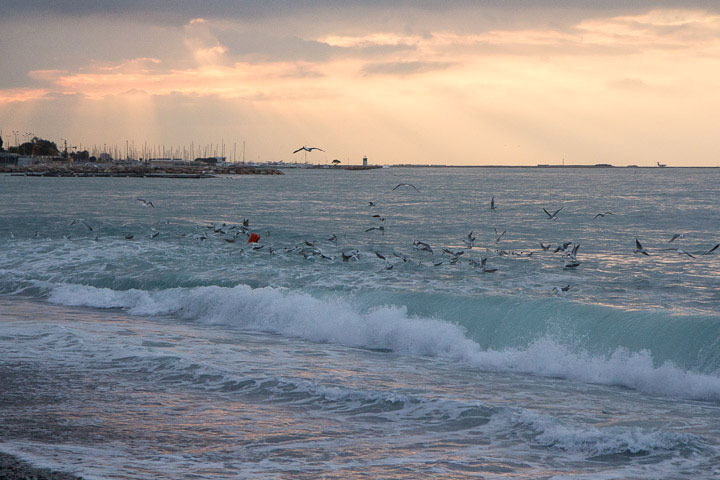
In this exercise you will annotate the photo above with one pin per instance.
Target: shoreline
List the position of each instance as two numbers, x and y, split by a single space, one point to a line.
141 171
12 468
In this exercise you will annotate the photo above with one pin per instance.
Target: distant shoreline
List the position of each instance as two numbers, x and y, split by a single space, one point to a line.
136 171
543 167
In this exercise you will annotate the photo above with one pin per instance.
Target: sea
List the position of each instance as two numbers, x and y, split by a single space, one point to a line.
142 341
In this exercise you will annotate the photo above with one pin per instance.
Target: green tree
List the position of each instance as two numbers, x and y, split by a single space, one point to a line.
38 146
82 156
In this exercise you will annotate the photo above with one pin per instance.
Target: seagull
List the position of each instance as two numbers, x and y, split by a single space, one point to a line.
246 222
146 203
570 263
679 251
603 214
639 248
309 244
470 240
405 185
371 204
561 289
422 246
563 248
454 254
554 215
346 257
333 238
381 228
544 247
308 149
492 203
676 236
380 256
77 220
712 250
379 218
500 235
483 264
129 236
156 234
573 253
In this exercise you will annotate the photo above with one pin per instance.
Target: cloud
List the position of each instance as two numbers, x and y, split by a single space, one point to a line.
629 84
405 67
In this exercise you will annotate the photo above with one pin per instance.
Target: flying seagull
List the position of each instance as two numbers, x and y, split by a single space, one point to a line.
712 249
146 203
381 228
470 239
679 251
639 248
410 185
676 236
570 263
554 214
500 235
77 220
308 149
346 257
603 214
422 246
483 264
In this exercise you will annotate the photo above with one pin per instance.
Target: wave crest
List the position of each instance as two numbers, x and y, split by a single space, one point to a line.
338 321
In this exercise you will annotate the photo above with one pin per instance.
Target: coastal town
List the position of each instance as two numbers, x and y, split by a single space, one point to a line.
40 157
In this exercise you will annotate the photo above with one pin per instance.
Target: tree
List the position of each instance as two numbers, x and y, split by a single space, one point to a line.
336 162
37 146
82 156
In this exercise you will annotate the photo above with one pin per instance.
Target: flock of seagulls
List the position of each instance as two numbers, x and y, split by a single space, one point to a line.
311 249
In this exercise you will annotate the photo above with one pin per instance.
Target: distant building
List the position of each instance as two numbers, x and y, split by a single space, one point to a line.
9 158
25 161
365 161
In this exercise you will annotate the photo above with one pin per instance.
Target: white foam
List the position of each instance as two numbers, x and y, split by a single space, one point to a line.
595 441
338 321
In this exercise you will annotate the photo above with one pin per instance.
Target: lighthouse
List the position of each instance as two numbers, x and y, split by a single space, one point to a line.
365 161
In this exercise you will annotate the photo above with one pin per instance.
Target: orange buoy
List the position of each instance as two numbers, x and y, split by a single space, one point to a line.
254 237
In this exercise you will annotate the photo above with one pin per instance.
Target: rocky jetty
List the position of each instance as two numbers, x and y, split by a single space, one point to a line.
56 169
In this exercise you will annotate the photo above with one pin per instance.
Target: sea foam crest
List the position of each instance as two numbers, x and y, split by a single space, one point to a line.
338 321
600 441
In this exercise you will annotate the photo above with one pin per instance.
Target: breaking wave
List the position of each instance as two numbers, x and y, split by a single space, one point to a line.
345 321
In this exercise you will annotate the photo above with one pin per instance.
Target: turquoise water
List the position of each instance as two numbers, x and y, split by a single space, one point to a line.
288 361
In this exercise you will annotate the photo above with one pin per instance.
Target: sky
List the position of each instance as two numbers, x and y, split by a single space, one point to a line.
484 82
